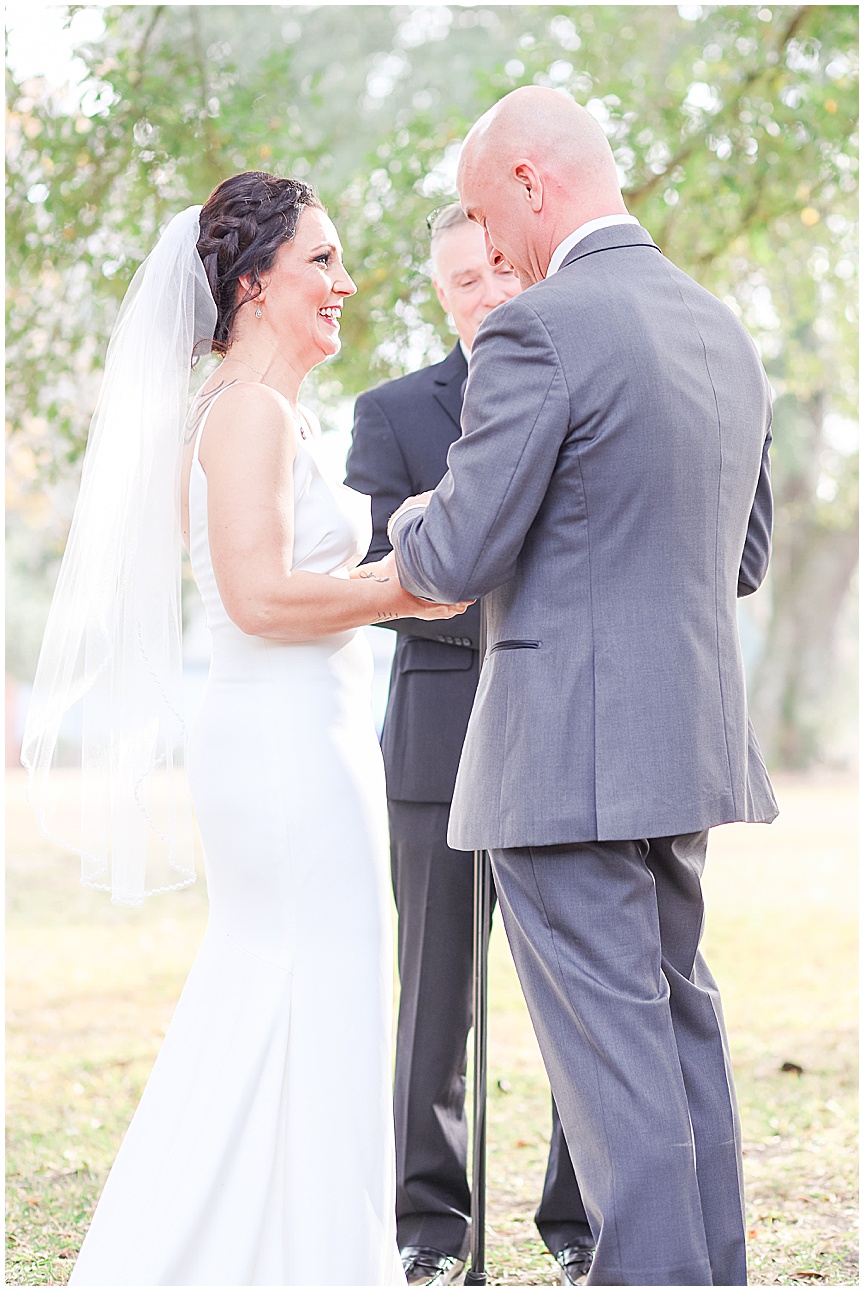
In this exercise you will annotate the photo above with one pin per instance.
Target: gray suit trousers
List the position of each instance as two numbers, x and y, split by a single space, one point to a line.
605 936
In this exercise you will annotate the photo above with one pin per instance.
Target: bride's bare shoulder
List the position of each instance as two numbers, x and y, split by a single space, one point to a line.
244 415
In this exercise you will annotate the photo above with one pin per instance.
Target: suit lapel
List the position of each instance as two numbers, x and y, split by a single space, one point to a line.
450 383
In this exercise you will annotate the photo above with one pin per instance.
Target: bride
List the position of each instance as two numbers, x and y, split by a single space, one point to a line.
266 1124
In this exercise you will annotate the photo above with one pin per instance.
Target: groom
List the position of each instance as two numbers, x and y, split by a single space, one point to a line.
402 433
609 498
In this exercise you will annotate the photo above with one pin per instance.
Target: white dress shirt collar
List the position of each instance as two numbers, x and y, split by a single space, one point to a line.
604 222
464 348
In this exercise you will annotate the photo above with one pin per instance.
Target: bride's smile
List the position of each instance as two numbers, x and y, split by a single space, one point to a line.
300 300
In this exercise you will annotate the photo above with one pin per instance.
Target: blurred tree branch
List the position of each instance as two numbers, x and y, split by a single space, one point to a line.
734 132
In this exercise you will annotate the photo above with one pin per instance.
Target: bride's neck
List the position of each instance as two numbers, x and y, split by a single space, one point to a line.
271 368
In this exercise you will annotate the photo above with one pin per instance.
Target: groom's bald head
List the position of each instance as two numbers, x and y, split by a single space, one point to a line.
532 169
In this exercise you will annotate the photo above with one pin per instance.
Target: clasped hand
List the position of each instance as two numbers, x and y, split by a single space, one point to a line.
402 604
418 500
405 606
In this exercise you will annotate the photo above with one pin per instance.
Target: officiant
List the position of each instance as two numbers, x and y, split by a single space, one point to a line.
402 432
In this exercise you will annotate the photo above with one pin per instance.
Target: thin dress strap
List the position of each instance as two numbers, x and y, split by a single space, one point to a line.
203 412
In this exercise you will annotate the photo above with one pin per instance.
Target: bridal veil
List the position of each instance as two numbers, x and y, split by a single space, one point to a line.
111 659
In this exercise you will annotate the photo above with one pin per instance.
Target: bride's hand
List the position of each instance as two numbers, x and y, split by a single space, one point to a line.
420 609
383 571
399 603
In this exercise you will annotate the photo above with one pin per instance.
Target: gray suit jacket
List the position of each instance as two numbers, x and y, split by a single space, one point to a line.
609 498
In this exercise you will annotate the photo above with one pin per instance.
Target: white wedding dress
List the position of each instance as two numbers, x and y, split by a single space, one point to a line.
261 1153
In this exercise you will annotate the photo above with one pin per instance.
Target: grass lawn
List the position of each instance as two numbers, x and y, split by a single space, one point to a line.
91 988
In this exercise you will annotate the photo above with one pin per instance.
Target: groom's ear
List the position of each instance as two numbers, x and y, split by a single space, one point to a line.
525 174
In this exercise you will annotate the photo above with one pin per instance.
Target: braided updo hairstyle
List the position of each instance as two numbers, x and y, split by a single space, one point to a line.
244 222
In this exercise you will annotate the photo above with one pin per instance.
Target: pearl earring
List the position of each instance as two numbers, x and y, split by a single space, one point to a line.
258 312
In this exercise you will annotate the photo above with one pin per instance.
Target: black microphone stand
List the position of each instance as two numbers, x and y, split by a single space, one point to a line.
476 1274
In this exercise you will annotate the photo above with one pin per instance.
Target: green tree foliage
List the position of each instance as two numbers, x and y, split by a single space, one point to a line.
733 128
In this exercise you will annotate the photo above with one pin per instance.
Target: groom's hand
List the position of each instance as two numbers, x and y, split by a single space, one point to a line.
419 500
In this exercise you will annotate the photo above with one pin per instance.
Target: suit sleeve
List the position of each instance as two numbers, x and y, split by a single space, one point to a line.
757 544
515 417
376 467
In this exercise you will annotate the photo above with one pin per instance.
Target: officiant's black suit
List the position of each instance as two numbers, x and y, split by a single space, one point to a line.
402 433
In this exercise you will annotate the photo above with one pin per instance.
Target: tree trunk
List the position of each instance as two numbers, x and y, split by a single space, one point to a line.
796 690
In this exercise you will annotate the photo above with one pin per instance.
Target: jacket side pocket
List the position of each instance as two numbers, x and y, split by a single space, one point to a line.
515 645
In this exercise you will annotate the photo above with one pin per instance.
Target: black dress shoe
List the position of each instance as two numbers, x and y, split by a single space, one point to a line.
427 1268
575 1264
